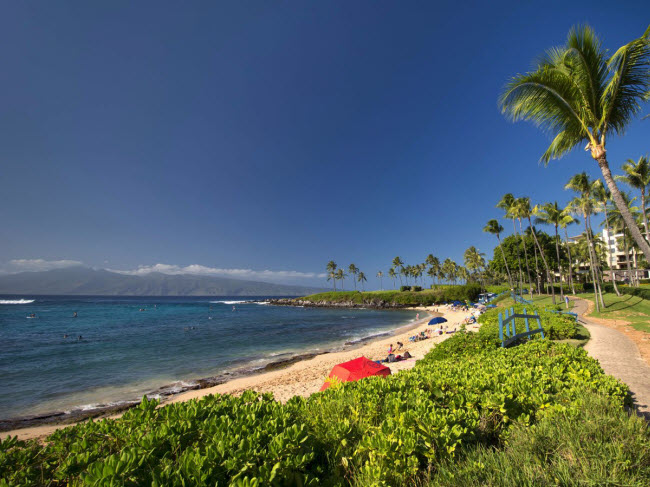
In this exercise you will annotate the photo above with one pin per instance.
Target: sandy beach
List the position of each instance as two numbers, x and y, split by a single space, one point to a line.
306 377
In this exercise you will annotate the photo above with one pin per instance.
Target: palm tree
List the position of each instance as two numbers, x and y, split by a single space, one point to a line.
434 267
615 220
585 205
362 278
331 272
507 204
380 275
474 262
516 212
353 270
567 219
399 265
392 275
551 214
495 228
637 176
340 275
448 269
580 94
603 196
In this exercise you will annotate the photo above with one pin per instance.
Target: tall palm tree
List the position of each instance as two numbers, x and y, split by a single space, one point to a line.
362 278
603 196
615 220
507 204
474 262
448 269
380 275
585 205
340 275
399 265
331 272
516 212
580 94
353 270
551 214
637 176
434 267
526 211
392 275
567 219
495 228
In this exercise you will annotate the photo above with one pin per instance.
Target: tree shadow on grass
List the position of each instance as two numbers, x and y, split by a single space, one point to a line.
620 308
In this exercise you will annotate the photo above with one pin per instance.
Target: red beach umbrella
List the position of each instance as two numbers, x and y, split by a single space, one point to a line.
356 369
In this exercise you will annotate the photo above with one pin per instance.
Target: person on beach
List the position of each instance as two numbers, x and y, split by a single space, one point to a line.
390 349
417 316
400 345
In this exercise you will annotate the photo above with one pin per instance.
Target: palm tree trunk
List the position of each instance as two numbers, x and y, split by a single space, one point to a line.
568 249
645 217
523 243
559 265
627 256
622 207
592 249
541 253
636 267
503 254
609 253
538 276
521 274
593 266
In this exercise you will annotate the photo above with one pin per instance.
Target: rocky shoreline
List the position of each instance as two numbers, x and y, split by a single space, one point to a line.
370 304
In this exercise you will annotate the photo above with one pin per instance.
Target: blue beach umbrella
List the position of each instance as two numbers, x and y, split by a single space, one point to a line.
437 320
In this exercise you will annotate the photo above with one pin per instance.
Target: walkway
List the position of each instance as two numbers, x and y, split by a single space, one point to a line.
618 356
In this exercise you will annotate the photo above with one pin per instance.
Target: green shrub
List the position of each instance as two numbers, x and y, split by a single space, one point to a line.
416 289
404 288
555 325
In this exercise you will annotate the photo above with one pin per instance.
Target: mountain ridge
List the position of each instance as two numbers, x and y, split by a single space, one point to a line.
81 280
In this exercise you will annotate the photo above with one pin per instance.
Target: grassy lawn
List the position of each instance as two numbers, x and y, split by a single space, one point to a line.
542 300
625 307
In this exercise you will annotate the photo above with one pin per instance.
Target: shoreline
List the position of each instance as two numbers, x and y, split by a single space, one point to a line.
43 424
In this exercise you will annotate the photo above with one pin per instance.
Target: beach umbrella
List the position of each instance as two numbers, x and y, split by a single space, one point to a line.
458 302
356 369
491 306
437 320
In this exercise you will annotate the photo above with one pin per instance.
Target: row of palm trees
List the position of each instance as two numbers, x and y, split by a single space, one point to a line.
581 94
448 271
335 273
591 197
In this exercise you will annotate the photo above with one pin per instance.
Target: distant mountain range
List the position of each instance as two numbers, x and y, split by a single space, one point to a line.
86 281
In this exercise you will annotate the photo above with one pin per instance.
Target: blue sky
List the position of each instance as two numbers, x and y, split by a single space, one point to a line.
258 137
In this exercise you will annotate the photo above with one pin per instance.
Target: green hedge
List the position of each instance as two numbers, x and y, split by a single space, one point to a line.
400 430
555 325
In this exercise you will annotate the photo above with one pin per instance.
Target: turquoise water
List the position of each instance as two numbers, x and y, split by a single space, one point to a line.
124 352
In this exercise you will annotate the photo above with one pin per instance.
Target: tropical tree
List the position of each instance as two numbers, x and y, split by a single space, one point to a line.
331 272
603 197
580 94
475 263
551 214
353 270
434 267
566 220
507 204
495 228
637 176
380 275
517 211
586 205
340 275
392 275
399 265
362 278
448 269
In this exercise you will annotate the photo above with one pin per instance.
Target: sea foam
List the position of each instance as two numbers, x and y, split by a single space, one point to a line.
16 301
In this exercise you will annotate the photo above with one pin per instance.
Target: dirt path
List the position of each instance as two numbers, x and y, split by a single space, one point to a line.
618 356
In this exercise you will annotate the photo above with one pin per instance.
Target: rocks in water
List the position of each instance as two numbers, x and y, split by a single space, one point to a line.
372 303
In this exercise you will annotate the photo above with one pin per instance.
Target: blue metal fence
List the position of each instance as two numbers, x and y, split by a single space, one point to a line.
509 335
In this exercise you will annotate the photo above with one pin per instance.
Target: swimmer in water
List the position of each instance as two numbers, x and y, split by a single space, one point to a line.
65 336
234 309
80 337
74 315
33 315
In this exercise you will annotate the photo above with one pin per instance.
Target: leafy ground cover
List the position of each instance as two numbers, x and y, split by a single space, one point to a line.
426 297
626 307
461 416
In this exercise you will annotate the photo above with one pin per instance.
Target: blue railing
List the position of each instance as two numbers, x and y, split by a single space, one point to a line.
509 335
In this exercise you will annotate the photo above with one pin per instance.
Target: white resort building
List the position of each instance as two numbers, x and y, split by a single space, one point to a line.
618 260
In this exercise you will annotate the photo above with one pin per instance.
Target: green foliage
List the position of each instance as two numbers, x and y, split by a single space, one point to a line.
404 288
465 394
597 444
555 325
439 295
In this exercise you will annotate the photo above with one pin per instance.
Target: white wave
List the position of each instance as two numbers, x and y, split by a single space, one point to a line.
16 301
263 302
229 302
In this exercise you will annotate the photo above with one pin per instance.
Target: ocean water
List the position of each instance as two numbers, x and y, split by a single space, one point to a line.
131 346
